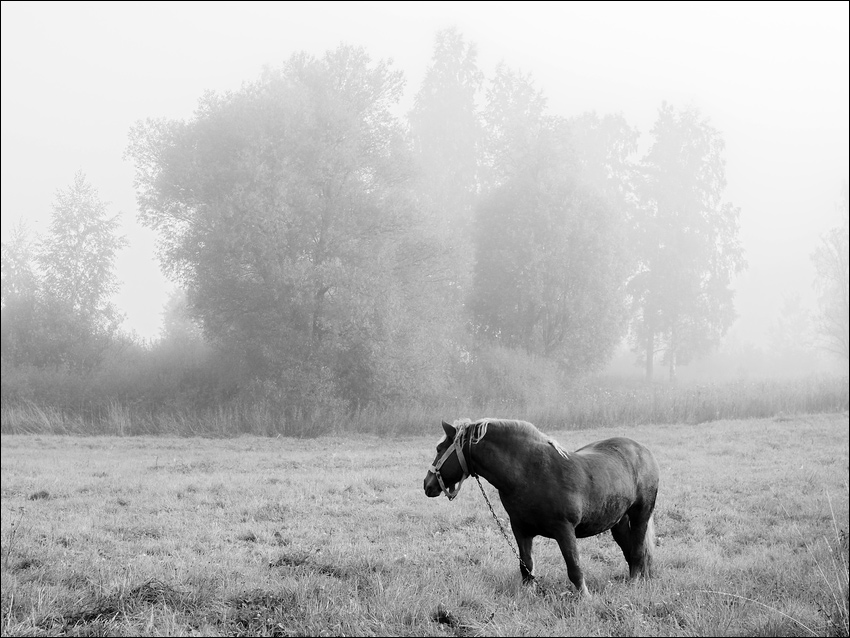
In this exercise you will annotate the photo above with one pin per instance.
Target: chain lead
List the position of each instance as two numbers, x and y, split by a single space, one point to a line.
501 529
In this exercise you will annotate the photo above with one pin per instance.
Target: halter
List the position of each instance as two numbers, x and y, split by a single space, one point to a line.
457 447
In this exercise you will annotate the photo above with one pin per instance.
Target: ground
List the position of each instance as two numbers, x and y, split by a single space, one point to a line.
334 535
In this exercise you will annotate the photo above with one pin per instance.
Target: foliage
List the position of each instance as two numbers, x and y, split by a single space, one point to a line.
547 273
604 147
549 246
19 278
833 283
20 295
686 239
446 139
286 212
178 326
502 380
333 260
77 256
57 308
446 132
514 121
190 389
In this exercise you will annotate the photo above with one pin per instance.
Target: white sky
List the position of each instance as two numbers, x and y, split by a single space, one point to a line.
772 77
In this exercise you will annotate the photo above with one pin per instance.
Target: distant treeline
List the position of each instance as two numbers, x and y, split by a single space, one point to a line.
339 260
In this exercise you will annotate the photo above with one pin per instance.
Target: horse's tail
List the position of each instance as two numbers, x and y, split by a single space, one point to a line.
648 548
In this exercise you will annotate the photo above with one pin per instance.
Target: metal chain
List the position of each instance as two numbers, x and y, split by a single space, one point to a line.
501 529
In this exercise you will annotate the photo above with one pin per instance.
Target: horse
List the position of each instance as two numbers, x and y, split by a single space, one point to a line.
546 491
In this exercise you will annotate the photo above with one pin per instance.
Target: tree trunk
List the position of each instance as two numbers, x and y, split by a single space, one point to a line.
672 353
650 352
318 306
672 365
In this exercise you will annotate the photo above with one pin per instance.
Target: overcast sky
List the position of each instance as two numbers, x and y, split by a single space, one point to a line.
773 78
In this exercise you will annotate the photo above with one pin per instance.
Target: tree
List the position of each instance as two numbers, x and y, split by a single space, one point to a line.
77 259
177 323
513 121
831 264
548 274
686 240
20 290
57 291
446 130
285 210
604 147
78 254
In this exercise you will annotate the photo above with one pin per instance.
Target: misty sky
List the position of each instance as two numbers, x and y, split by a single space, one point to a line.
773 78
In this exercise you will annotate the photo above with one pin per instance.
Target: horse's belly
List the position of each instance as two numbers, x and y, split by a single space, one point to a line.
593 528
602 516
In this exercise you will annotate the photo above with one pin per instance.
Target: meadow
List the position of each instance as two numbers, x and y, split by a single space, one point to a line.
105 535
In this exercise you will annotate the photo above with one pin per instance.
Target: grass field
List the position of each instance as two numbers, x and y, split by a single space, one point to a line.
278 536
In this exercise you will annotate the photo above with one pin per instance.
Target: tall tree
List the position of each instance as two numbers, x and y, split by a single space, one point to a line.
286 212
833 282
20 290
548 274
686 240
605 147
77 256
514 120
446 130
57 292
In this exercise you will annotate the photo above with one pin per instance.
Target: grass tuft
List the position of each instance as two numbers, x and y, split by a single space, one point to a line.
760 604
445 617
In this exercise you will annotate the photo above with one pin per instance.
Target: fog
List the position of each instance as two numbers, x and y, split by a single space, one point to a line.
772 78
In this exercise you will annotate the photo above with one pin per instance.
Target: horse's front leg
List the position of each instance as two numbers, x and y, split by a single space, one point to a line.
569 548
526 562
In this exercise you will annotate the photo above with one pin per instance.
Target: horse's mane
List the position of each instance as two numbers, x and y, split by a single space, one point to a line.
515 427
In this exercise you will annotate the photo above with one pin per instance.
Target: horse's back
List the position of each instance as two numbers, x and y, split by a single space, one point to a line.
628 450
625 455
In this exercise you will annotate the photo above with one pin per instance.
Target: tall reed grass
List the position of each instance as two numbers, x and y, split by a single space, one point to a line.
601 403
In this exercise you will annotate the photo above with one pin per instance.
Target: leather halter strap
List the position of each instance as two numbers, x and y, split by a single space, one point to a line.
457 448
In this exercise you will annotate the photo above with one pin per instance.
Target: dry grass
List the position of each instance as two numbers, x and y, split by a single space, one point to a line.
333 535
599 402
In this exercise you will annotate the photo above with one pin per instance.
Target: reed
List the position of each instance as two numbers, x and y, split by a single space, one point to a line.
599 402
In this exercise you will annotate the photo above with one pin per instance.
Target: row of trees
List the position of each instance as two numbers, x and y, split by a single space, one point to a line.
342 252
57 290
339 255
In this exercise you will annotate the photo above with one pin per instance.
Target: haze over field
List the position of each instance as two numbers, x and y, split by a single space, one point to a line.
772 78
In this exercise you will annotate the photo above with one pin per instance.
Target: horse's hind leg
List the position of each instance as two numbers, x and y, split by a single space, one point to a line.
621 534
642 541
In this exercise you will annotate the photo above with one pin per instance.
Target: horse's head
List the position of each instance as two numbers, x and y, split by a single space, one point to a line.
448 469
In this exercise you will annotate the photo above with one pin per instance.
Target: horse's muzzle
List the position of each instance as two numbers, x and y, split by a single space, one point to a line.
432 486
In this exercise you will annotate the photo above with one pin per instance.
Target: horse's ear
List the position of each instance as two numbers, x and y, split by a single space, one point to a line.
450 430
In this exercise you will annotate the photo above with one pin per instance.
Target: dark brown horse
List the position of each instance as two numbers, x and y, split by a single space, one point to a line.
547 491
